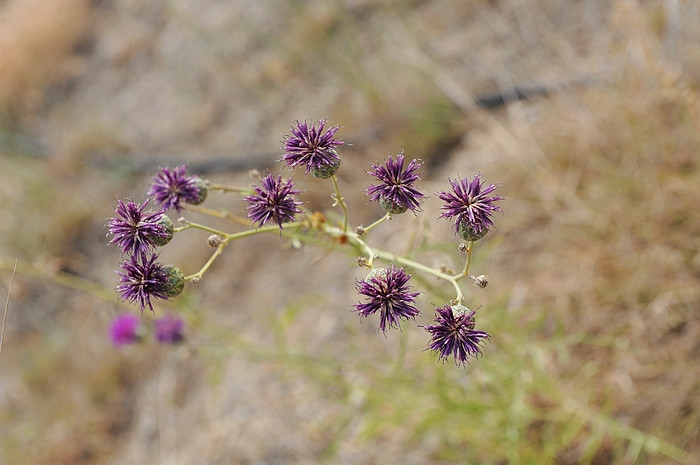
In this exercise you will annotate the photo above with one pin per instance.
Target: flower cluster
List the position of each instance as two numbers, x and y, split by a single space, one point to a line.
273 206
126 330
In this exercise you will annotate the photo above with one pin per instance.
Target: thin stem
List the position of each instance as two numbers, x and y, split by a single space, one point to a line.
228 238
222 188
378 222
7 305
200 226
391 257
218 214
340 201
470 245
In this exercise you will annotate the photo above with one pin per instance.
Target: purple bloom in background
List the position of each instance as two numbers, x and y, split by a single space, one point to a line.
273 201
142 278
123 330
134 230
470 204
454 334
169 330
396 193
387 292
171 187
313 148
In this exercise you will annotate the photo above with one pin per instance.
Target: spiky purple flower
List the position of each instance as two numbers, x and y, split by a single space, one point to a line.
172 187
124 330
396 193
470 203
136 231
454 334
312 147
143 278
169 330
273 201
388 293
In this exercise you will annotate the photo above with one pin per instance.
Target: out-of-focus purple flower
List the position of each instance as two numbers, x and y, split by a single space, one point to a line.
312 147
124 330
396 193
387 293
142 278
136 231
171 187
169 330
273 201
454 334
470 203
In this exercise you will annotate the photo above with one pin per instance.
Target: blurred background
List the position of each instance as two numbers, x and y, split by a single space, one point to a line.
587 113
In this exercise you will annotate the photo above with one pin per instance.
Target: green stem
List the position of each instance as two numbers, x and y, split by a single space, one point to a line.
378 222
470 245
222 188
391 257
341 202
191 225
228 238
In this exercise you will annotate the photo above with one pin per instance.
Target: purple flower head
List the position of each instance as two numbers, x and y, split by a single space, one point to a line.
169 330
454 334
123 330
387 292
171 187
142 278
136 231
273 201
396 193
470 204
313 148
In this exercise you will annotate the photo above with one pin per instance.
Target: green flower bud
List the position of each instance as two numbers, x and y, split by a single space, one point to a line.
326 171
167 224
392 207
467 232
176 280
202 190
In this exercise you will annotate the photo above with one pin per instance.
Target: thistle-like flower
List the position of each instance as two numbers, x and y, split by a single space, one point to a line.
172 187
142 278
273 201
396 193
470 204
136 231
454 334
169 330
388 293
313 148
124 330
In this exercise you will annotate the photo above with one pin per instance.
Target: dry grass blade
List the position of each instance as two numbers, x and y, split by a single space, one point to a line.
7 306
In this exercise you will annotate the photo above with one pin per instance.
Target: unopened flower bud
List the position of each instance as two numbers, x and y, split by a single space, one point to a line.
214 240
201 191
326 170
176 280
390 206
482 281
167 225
467 232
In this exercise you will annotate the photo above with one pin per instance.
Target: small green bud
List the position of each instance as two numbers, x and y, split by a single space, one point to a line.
391 207
176 280
468 233
167 224
202 190
326 171
380 272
